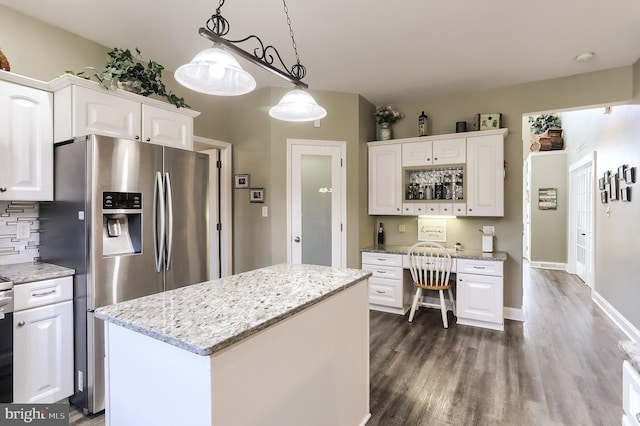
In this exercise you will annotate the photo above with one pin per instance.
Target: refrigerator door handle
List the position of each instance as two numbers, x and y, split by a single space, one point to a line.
158 228
169 219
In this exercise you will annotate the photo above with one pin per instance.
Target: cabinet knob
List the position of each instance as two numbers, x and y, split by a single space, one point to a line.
638 416
296 239
21 324
148 139
435 158
137 138
3 189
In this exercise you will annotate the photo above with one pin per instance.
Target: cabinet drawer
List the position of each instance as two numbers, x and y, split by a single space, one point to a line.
385 292
40 293
631 392
480 267
382 271
382 259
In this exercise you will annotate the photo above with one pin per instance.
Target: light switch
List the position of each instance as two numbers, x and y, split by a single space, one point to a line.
402 228
265 211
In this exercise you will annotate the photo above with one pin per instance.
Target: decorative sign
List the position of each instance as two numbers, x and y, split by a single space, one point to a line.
548 198
432 230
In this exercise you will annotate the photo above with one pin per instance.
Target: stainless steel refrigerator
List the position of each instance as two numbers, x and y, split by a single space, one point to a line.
131 218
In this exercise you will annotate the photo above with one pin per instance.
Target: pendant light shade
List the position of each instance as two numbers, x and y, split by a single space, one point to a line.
215 71
297 105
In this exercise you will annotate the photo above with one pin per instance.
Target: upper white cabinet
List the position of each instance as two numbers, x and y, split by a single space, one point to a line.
26 136
471 168
433 152
385 179
485 175
83 107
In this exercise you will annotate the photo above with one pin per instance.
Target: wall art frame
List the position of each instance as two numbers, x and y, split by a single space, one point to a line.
242 180
256 195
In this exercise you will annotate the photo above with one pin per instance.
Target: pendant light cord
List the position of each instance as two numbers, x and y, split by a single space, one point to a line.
298 69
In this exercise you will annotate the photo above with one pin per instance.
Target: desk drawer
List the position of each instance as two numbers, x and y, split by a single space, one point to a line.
380 271
480 267
381 259
385 292
631 392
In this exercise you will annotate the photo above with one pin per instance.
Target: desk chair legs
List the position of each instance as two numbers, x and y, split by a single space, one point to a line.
443 305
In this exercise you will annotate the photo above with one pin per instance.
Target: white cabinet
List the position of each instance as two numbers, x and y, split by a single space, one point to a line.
389 284
479 293
83 107
43 341
485 175
630 394
433 152
385 180
26 135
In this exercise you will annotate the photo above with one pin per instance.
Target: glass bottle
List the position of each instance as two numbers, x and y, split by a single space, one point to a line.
422 124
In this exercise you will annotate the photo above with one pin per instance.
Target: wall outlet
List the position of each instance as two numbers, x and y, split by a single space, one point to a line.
402 228
491 230
23 230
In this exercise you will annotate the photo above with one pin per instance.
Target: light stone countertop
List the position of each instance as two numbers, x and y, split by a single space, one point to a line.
21 273
631 351
462 254
207 317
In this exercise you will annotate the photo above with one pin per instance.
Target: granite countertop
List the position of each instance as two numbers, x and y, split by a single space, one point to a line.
461 254
21 273
631 351
207 317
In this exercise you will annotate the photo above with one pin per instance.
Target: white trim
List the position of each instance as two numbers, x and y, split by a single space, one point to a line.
549 265
483 324
343 172
226 215
503 132
513 314
571 235
618 319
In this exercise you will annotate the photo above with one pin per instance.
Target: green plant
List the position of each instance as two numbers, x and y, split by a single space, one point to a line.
384 114
124 69
543 122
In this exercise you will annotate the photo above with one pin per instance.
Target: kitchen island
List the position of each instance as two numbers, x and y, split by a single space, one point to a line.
285 344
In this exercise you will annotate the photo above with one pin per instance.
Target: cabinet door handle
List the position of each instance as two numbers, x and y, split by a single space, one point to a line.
381 272
46 293
21 324
381 259
383 292
479 267
638 416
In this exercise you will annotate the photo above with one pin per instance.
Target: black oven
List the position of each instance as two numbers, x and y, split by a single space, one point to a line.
6 346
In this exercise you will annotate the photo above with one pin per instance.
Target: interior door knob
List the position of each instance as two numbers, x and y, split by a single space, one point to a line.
296 239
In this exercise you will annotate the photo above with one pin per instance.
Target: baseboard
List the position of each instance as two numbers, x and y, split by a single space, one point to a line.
618 319
513 314
549 265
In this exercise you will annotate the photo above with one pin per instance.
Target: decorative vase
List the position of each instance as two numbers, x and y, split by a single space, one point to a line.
385 131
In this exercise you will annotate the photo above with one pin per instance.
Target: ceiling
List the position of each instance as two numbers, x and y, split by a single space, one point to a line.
389 52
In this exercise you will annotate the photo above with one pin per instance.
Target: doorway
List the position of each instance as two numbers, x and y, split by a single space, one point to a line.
316 202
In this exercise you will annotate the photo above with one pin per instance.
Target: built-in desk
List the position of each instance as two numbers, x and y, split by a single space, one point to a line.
478 275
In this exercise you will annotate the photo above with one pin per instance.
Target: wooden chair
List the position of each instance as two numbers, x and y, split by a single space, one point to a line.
430 265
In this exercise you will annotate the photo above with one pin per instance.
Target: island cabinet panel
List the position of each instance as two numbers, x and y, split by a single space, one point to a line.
311 369
385 180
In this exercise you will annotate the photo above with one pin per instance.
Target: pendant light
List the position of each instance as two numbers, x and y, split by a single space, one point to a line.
215 71
297 105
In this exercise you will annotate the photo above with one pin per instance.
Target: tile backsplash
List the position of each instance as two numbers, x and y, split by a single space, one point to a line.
12 248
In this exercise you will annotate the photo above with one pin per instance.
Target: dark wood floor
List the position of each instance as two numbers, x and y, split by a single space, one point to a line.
560 367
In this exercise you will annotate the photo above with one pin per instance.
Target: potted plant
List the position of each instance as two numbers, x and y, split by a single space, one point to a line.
123 70
385 116
547 132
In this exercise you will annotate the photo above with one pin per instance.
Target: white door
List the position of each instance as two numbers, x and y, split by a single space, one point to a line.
583 195
214 213
316 202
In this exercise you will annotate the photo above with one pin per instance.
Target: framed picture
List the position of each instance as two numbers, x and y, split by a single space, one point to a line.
603 197
613 187
601 182
625 193
547 198
432 230
630 175
242 181
256 195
